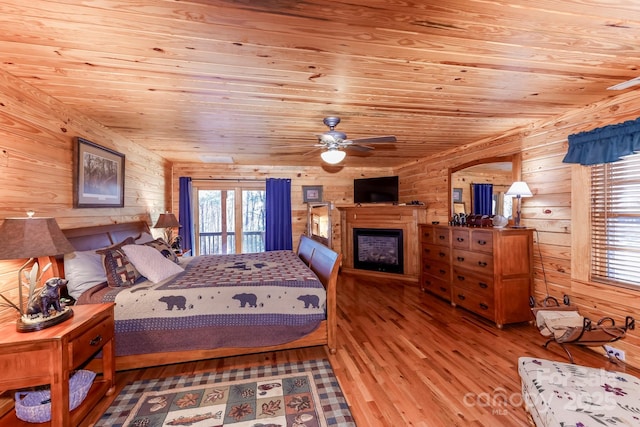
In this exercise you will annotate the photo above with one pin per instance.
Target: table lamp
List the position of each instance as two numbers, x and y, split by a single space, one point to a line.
32 238
168 221
518 189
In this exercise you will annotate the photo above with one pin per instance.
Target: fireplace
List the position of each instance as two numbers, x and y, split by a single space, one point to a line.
378 249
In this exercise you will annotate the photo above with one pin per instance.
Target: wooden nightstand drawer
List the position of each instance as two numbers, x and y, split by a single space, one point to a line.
91 340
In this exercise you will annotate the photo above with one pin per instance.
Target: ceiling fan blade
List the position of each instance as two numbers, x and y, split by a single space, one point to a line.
358 147
373 140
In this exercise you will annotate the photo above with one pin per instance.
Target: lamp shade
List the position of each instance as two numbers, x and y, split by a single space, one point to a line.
333 156
519 188
32 238
167 220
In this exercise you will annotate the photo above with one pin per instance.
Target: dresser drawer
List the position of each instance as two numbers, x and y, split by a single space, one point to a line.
480 304
441 236
481 241
435 252
476 261
91 339
474 282
436 286
441 270
460 238
426 234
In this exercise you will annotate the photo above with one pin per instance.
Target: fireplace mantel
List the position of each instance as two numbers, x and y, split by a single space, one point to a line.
405 218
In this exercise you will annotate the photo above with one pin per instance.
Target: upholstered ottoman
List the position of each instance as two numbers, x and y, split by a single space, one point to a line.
562 394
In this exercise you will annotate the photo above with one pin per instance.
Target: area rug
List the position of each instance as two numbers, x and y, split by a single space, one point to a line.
300 394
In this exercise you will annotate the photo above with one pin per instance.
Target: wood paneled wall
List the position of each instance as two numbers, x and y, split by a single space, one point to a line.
36 168
560 199
337 186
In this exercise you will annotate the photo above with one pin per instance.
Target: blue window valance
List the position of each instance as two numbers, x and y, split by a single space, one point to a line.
604 145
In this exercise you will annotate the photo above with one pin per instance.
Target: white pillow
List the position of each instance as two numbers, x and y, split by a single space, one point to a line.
83 270
151 263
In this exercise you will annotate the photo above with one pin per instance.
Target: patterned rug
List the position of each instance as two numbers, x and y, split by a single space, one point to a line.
300 394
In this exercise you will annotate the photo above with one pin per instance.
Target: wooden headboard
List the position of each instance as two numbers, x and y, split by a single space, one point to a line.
98 236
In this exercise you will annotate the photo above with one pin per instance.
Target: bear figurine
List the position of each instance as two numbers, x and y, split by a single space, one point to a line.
47 298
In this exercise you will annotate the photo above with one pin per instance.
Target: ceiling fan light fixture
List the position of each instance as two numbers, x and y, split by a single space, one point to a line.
333 156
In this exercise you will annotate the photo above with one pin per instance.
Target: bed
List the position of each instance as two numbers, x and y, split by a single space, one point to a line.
246 285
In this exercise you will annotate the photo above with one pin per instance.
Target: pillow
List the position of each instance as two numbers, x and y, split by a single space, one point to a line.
83 270
164 248
144 237
120 271
151 263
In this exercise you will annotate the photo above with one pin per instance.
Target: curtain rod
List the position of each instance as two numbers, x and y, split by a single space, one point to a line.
230 179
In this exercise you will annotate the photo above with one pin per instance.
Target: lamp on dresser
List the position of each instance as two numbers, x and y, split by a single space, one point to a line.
31 238
519 189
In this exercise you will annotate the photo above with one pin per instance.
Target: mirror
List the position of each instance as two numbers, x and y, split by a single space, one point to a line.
499 171
319 222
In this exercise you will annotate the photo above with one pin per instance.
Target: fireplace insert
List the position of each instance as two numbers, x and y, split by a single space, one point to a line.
378 249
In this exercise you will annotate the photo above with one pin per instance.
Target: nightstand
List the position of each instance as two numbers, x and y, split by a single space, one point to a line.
50 355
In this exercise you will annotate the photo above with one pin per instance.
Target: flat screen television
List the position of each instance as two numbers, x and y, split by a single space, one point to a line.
382 189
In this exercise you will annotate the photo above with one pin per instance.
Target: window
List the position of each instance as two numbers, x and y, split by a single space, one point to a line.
231 217
615 221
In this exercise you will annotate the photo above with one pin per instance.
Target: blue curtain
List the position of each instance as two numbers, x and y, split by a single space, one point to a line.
483 199
186 214
604 145
278 234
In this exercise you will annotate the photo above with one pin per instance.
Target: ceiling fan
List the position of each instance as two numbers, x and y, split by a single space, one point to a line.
335 141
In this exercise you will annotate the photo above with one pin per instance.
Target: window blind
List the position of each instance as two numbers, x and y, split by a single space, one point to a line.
615 221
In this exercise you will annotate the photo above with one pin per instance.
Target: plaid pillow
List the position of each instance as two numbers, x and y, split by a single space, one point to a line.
164 249
120 271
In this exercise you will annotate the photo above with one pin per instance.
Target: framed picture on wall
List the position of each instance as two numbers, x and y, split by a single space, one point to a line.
98 176
311 193
457 195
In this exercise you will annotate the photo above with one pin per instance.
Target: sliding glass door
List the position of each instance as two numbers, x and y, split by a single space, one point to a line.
230 217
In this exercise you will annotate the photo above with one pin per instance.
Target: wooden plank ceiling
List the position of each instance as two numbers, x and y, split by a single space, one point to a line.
205 80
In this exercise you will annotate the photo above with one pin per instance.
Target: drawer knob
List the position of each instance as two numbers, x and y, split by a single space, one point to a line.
482 242
442 289
441 237
482 263
461 297
427 251
483 285
442 271
460 239
442 254
484 306
461 278
97 340
460 258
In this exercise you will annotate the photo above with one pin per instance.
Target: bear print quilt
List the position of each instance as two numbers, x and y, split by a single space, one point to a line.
241 300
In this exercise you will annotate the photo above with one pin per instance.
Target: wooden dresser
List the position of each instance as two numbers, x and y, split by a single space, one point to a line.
488 271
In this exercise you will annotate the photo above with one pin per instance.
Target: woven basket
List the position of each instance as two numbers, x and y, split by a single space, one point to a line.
35 406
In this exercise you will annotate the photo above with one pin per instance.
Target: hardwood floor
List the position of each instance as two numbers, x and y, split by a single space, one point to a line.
406 358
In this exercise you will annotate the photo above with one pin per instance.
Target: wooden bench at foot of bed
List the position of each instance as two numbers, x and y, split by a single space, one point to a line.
324 262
